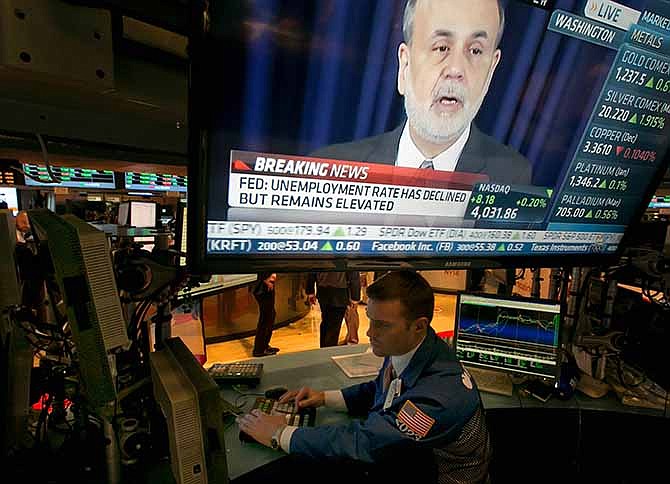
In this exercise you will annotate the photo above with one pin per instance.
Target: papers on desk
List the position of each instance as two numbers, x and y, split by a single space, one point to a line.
360 364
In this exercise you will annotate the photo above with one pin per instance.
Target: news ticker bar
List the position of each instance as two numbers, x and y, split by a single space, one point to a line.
398 247
273 238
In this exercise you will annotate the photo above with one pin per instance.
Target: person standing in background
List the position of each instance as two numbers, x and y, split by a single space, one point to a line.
352 322
22 227
264 292
335 292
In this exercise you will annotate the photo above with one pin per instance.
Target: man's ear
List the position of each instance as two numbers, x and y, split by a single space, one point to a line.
421 323
496 60
403 63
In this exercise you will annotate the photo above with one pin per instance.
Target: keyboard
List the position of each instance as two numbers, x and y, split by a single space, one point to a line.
241 373
491 381
304 417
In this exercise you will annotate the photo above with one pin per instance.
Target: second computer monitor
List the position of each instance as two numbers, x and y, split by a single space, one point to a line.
512 334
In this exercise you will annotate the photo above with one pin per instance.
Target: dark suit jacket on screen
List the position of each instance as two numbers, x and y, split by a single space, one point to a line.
481 154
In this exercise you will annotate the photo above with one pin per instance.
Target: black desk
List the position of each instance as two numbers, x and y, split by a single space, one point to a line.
523 429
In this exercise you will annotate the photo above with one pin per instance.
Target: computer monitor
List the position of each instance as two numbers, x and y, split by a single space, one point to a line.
9 197
80 263
138 214
194 410
564 153
511 334
38 176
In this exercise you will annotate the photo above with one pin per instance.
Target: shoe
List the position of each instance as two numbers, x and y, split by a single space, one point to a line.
264 353
272 349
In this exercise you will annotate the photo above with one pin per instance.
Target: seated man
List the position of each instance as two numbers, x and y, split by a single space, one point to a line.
423 414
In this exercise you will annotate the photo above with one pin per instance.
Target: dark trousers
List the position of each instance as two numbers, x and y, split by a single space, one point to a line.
266 320
331 322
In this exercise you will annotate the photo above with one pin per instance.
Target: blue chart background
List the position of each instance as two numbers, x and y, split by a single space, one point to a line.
524 333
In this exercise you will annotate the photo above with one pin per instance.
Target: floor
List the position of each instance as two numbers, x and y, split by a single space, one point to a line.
303 334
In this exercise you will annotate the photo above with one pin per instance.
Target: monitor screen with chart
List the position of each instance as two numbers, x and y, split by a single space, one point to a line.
510 334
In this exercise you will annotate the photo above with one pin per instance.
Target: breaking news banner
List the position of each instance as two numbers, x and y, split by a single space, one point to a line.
271 187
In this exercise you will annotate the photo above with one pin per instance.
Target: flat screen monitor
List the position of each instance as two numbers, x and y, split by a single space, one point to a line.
511 334
156 182
38 176
9 200
77 259
143 214
320 139
138 214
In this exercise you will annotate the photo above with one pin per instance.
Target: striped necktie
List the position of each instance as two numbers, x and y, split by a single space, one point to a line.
427 165
388 376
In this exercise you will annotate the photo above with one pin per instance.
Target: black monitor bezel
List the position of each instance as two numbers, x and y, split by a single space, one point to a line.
198 163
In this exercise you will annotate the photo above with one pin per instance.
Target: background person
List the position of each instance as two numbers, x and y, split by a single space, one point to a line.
335 291
264 292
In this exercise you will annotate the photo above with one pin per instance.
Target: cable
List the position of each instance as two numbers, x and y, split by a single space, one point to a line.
45 158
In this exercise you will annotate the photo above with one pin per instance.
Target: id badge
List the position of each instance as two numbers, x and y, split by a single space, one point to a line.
394 390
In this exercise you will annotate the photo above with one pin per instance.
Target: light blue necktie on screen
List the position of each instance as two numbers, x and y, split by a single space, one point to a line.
427 165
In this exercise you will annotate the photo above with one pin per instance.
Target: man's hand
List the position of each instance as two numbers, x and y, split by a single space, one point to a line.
305 397
261 426
312 299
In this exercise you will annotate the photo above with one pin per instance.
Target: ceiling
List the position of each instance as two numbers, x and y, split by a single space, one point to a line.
104 86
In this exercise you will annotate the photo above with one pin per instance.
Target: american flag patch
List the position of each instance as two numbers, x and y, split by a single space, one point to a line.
415 420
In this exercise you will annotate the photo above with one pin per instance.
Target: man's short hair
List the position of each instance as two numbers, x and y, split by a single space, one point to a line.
408 21
408 287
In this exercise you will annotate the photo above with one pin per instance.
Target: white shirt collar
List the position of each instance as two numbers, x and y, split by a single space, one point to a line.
401 362
409 156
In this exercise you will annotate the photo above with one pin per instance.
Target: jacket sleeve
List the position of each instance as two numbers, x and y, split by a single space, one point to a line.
385 432
354 283
360 398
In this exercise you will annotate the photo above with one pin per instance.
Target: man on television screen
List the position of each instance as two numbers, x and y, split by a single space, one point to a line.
446 64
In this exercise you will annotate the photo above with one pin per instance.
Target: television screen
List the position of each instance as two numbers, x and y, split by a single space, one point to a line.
156 182
658 201
9 200
69 177
482 133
